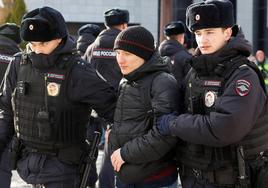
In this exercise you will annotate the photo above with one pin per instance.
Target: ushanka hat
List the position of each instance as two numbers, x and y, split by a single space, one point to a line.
174 28
43 24
116 17
12 31
210 14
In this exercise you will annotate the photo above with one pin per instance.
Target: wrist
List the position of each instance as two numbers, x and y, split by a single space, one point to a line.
122 153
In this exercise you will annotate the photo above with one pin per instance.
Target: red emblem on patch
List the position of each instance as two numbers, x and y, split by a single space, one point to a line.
242 87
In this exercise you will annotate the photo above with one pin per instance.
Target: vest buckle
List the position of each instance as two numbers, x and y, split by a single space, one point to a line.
197 173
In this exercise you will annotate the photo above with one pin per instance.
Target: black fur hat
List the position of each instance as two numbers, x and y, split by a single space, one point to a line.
174 28
116 17
210 14
12 31
89 28
43 24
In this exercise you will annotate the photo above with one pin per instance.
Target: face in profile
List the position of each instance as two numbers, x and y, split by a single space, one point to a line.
210 40
44 47
127 61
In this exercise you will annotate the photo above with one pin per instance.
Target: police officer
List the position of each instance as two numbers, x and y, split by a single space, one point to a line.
103 58
48 94
86 36
100 54
222 128
9 40
173 47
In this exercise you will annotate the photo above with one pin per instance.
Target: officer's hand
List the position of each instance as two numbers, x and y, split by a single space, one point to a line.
163 123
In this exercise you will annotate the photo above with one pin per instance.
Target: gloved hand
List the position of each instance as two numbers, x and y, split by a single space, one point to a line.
163 123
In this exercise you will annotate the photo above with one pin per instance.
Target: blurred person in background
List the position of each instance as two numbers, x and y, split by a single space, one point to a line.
263 65
173 47
86 36
9 45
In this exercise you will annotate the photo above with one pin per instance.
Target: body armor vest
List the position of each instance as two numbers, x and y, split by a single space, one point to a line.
44 117
201 94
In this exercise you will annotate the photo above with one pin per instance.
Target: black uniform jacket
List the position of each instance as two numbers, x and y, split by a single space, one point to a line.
8 46
143 148
85 86
83 41
103 58
7 49
179 56
234 114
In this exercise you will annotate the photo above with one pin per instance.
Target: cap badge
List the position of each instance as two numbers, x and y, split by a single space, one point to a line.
31 27
53 89
197 17
210 98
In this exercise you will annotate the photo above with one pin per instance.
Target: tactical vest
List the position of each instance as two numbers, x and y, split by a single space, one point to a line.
201 94
45 119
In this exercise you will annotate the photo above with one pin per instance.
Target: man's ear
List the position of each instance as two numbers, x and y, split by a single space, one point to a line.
228 33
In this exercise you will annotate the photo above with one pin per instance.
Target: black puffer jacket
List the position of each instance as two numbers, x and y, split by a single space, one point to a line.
102 56
143 148
179 56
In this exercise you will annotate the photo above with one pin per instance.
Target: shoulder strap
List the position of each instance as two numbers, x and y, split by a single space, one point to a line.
236 63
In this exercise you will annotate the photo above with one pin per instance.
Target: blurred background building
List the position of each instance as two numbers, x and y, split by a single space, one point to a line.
155 14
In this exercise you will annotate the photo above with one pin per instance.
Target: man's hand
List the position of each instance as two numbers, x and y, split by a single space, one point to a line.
117 160
163 123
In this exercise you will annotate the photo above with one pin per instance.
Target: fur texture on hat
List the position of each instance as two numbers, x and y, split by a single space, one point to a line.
116 17
43 24
174 28
136 40
12 31
210 14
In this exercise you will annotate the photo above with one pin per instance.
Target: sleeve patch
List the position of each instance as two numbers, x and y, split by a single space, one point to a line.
243 87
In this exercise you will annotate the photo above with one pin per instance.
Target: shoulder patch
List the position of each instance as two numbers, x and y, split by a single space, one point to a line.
242 87
104 53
